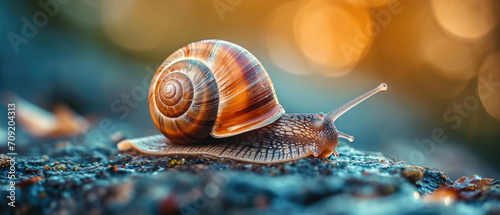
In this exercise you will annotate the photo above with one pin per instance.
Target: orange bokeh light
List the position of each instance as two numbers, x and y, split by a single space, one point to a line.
332 34
488 84
281 46
467 19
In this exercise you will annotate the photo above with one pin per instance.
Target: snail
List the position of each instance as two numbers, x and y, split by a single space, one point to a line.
215 98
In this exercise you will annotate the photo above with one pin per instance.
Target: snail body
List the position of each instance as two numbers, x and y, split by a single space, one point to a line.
215 98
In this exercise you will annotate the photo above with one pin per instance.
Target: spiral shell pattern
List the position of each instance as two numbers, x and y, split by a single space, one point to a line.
211 87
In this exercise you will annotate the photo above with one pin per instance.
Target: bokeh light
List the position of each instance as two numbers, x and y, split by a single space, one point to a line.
448 62
488 84
332 34
129 23
369 3
467 19
281 45
452 58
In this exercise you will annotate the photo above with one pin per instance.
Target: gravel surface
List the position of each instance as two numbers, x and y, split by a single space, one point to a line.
68 177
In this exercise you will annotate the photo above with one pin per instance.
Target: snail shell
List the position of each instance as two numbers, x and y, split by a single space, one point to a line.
211 87
214 98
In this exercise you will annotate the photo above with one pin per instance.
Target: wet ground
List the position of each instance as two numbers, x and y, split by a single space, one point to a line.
69 177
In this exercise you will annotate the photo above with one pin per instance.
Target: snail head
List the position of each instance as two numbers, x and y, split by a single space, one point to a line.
331 116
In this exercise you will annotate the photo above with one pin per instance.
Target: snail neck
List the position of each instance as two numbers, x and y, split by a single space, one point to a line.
330 137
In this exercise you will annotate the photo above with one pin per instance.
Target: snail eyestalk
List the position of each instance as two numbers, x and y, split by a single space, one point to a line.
345 136
335 153
333 115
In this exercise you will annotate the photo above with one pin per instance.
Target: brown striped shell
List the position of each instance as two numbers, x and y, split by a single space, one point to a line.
211 88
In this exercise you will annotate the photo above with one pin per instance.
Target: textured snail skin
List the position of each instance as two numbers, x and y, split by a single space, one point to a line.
291 137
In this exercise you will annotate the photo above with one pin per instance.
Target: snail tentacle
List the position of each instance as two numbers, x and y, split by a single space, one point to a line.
334 114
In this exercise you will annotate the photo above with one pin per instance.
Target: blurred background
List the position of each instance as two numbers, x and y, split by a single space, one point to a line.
90 62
